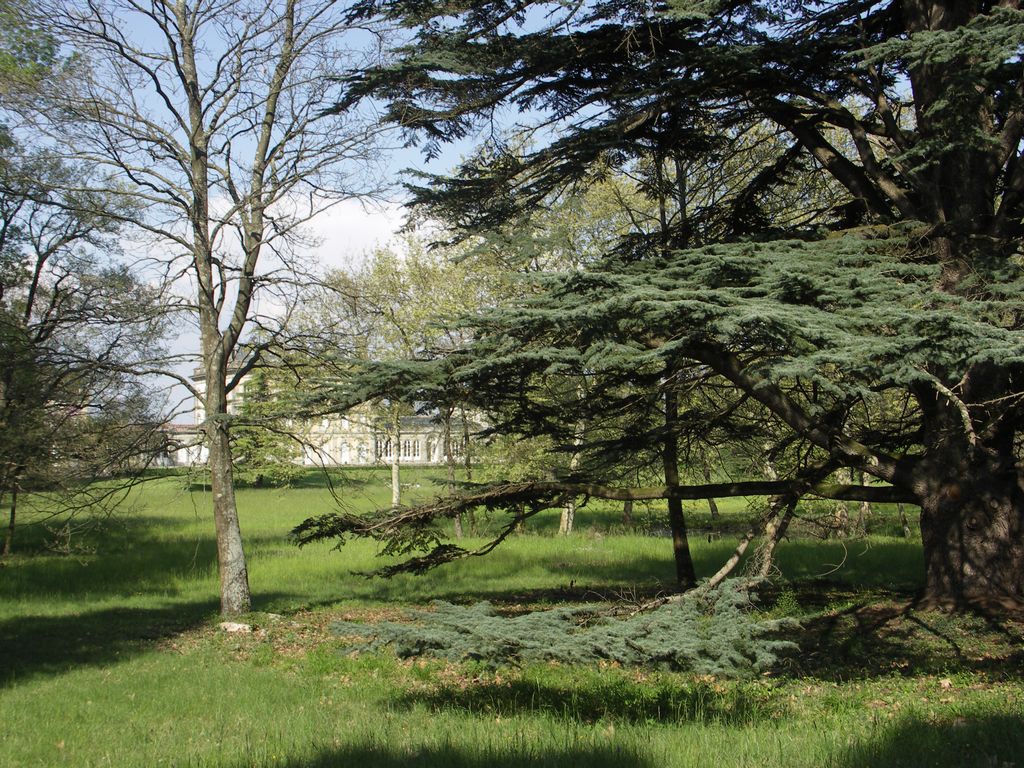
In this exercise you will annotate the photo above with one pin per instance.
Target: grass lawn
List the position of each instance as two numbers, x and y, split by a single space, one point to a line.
114 658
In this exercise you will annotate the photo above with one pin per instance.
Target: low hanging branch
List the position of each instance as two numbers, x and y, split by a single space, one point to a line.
410 530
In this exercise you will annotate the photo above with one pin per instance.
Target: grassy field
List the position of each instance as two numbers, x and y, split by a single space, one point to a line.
113 657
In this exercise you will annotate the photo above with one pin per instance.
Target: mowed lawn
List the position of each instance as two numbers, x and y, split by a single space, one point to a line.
113 657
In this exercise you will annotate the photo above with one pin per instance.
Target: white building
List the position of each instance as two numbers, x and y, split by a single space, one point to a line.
360 437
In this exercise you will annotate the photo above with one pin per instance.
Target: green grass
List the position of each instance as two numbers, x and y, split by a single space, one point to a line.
113 658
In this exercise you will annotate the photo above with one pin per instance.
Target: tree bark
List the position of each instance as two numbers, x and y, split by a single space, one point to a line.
780 512
568 516
734 559
216 348
972 532
712 504
396 446
467 457
685 574
12 520
841 520
971 493
567 519
235 597
864 510
901 509
449 460
468 461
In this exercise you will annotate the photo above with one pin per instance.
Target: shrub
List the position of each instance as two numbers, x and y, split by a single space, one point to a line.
707 631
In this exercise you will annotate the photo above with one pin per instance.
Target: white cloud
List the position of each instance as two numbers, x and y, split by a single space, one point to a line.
350 230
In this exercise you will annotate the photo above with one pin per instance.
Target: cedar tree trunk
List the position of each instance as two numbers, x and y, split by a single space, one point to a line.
971 493
972 530
685 574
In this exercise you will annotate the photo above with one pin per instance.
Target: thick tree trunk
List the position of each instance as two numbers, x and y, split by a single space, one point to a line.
235 597
971 493
685 573
972 531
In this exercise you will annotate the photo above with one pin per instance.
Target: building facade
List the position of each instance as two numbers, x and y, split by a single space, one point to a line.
363 436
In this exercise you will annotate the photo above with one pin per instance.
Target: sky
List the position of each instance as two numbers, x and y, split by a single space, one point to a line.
343 235
352 229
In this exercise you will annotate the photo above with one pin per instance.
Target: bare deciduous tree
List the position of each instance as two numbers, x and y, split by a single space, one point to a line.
73 322
209 112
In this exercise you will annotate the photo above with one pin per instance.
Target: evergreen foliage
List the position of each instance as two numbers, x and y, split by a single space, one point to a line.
707 632
264 450
880 333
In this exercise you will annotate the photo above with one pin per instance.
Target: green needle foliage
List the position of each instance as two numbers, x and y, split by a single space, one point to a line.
264 450
843 295
708 632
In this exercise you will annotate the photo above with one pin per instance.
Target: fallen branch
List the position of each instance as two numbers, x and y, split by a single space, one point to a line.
408 530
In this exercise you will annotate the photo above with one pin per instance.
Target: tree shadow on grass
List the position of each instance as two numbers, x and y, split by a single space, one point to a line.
39 646
605 696
33 646
146 564
872 639
452 756
865 563
994 740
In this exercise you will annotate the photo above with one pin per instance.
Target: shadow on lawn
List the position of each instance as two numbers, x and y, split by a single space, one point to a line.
451 756
657 700
995 740
871 639
137 564
31 646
